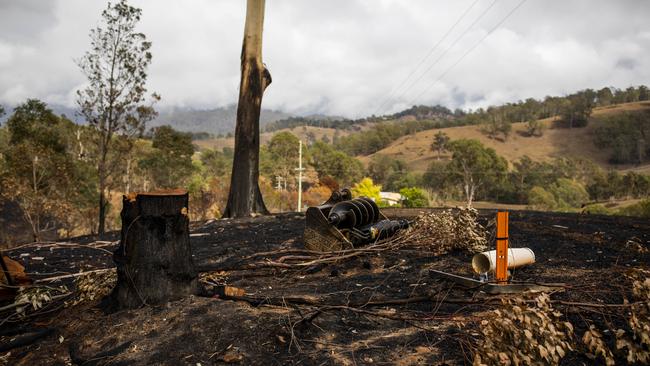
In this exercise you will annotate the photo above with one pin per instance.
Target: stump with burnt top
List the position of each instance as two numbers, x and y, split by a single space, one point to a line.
154 258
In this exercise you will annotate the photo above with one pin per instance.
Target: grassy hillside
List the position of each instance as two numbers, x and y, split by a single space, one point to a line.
301 132
555 142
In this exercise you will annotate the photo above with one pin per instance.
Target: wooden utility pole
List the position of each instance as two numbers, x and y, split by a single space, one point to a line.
245 198
300 169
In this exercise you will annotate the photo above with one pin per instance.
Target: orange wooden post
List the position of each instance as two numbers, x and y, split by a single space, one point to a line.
502 246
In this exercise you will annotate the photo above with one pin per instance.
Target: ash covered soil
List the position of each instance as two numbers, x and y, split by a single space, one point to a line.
379 308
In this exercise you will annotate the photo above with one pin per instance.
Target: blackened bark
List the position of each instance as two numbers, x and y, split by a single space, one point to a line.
245 198
154 259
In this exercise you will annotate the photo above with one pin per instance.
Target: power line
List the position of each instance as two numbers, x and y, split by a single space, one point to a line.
469 51
447 50
395 89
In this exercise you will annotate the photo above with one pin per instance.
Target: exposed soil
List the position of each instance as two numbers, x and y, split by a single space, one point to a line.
377 308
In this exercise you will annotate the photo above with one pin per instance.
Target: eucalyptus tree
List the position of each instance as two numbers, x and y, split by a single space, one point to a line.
245 198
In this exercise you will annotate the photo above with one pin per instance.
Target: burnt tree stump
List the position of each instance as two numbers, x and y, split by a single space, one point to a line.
154 258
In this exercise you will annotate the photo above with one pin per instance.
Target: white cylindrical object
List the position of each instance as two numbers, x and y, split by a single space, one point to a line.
517 257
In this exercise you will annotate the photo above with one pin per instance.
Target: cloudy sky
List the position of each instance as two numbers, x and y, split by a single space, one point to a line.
343 57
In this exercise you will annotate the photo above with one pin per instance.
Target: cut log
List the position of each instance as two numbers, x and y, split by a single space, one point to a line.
154 258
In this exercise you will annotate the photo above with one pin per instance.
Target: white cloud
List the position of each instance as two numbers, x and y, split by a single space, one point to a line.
339 57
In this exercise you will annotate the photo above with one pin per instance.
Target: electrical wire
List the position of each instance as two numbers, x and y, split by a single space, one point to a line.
469 51
431 50
448 48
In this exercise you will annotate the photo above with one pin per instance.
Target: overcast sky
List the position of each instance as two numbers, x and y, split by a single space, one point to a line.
347 57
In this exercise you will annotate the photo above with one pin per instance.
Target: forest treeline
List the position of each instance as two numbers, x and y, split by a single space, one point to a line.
48 165
373 133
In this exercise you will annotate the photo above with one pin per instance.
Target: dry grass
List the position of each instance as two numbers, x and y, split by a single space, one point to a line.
414 149
577 142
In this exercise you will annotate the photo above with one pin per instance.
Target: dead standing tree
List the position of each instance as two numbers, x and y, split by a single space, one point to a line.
245 197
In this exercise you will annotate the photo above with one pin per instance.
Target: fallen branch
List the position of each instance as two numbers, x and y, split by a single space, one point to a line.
26 339
15 305
73 275
596 305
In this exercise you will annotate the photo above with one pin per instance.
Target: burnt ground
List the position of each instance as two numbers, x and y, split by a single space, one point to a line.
376 308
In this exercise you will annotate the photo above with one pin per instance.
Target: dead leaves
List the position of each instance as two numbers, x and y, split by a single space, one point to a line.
520 334
36 297
94 285
596 346
637 343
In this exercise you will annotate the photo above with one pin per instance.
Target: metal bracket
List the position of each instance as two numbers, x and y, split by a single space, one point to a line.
493 288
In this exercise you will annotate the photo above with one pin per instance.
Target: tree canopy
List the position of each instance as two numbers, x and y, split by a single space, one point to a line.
475 166
114 100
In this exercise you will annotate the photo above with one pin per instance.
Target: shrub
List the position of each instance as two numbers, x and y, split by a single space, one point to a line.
598 209
414 197
367 188
569 193
541 199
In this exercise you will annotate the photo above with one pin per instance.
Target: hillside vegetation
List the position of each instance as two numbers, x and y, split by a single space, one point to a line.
416 151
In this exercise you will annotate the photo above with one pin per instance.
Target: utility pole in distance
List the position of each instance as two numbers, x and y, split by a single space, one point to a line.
300 169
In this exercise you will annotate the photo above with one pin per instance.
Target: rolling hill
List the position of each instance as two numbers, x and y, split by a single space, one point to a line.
414 149
555 142
301 132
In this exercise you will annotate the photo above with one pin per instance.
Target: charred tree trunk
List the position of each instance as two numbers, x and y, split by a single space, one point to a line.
245 198
154 259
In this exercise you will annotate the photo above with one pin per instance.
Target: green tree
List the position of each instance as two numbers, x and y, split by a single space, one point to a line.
604 96
436 176
39 169
569 193
402 179
576 109
114 100
439 144
328 162
494 123
632 94
216 163
541 199
414 197
627 135
381 167
169 164
283 156
475 166
644 93
534 127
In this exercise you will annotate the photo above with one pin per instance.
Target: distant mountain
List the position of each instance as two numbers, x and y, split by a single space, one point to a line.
216 121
